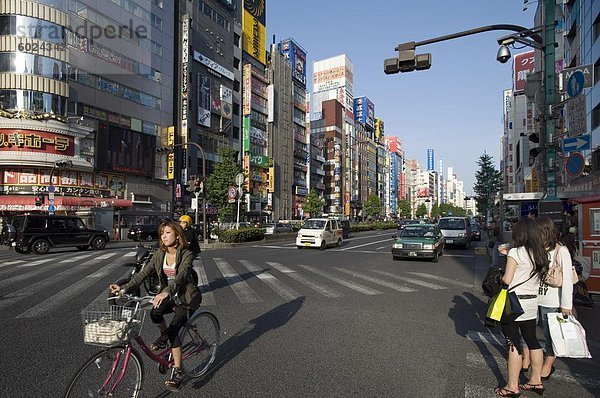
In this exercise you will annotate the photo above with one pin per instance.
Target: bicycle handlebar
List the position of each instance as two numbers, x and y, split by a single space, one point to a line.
131 297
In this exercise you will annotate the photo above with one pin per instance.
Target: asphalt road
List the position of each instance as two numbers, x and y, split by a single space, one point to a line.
346 322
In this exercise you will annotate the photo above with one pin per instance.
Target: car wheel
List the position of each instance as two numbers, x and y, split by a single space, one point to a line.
323 245
395 258
40 246
436 257
83 247
98 243
339 243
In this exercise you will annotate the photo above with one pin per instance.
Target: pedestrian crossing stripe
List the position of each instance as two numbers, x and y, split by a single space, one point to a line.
414 281
240 288
388 284
280 288
442 279
323 290
351 285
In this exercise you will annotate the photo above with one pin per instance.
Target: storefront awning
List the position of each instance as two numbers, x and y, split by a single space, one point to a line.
61 203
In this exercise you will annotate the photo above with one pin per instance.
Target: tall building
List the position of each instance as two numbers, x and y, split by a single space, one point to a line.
395 185
81 119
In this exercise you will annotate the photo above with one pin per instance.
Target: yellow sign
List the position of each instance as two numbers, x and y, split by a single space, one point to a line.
254 37
271 178
171 166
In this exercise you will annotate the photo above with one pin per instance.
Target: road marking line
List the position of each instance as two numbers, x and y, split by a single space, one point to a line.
107 255
101 302
274 247
130 254
241 289
411 280
351 285
458 255
279 287
391 285
365 244
324 290
208 297
486 338
59 299
442 279
4 283
76 258
382 247
34 263
11 263
39 286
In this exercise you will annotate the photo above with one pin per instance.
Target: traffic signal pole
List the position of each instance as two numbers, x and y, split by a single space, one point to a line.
549 81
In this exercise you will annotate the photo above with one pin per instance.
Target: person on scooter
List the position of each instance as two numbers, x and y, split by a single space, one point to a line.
185 222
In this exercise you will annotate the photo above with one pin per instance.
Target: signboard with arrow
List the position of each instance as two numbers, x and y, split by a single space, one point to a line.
576 144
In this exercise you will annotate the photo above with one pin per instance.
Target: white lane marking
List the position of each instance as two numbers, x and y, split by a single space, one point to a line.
291 244
6 264
442 279
365 244
486 338
351 285
130 254
324 290
76 258
479 360
279 287
101 302
411 280
60 298
21 277
458 255
34 263
391 285
382 247
275 247
107 255
241 289
208 297
41 285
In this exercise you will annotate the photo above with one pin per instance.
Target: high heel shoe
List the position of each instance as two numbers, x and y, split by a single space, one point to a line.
552 369
525 370
505 392
536 388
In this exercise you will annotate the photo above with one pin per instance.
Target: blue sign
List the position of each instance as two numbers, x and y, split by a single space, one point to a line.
297 57
576 144
51 209
430 160
575 164
51 188
575 84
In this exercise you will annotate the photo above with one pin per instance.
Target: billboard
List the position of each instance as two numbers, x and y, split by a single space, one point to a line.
226 102
297 57
254 34
430 160
124 150
364 111
379 130
204 102
523 65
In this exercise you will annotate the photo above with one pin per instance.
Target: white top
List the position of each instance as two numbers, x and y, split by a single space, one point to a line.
558 297
522 273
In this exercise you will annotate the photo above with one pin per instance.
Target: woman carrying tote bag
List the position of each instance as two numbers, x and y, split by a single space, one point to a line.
525 264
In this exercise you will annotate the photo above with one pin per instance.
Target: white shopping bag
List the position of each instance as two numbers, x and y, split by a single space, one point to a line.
568 336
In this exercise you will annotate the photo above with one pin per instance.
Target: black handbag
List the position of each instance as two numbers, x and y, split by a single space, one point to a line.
492 283
513 308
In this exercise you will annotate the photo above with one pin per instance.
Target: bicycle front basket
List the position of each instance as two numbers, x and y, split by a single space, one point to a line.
111 328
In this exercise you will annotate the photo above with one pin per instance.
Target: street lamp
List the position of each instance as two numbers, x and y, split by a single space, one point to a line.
170 149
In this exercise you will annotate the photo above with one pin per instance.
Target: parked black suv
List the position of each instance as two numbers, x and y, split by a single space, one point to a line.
143 232
38 233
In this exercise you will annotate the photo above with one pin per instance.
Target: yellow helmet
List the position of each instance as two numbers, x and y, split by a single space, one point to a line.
186 218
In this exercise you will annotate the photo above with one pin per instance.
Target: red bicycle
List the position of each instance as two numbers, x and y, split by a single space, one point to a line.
117 370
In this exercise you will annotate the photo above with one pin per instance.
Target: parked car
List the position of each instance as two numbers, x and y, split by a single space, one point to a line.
419 241
39 233
143 232
319 232
456 231
277 228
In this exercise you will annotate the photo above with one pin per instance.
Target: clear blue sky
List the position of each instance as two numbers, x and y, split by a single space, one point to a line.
456 106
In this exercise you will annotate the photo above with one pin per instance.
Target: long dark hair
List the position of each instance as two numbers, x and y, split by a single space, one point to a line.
549 232
527 233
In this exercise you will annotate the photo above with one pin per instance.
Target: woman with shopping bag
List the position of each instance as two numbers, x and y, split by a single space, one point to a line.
525 264
552 298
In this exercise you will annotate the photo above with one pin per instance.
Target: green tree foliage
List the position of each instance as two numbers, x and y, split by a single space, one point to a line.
404 209
373 206
222 177
488 183
421 210
314 204
446 209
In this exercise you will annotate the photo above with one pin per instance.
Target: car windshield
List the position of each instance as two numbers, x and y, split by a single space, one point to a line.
314 224
412 231
452 223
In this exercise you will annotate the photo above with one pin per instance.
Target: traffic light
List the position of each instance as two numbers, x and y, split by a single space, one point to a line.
198 186
407 60
190 186
164 149
39 200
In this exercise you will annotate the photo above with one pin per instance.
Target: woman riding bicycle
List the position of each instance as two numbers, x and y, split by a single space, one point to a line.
178 292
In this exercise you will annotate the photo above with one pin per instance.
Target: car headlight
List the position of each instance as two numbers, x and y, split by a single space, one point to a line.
428 246
299 235
461 235
397 245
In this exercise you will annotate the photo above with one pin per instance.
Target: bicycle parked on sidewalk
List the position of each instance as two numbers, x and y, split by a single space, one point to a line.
117 370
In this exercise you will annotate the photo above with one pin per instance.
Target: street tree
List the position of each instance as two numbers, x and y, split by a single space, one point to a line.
314 204
488 183
404 208
222 177
421 211
373 206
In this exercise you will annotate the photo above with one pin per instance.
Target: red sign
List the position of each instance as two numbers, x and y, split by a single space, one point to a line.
524 64
36 141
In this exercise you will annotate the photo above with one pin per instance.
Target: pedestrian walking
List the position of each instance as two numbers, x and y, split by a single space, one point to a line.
494 235
552 299
185 222
527 261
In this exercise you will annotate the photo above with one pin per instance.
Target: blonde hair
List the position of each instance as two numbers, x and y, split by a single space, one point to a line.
181 241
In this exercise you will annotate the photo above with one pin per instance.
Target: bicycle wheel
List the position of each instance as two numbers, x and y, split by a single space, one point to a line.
96 378
199 341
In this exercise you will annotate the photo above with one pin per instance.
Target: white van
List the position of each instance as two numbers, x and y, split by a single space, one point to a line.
456 231
320 232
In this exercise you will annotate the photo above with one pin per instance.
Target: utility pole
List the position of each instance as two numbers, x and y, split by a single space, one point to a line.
549 81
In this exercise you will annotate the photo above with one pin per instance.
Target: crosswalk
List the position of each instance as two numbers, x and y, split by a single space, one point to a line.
245 281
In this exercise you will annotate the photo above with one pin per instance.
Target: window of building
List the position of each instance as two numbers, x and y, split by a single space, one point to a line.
33 64
595 117
236 132
236 63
